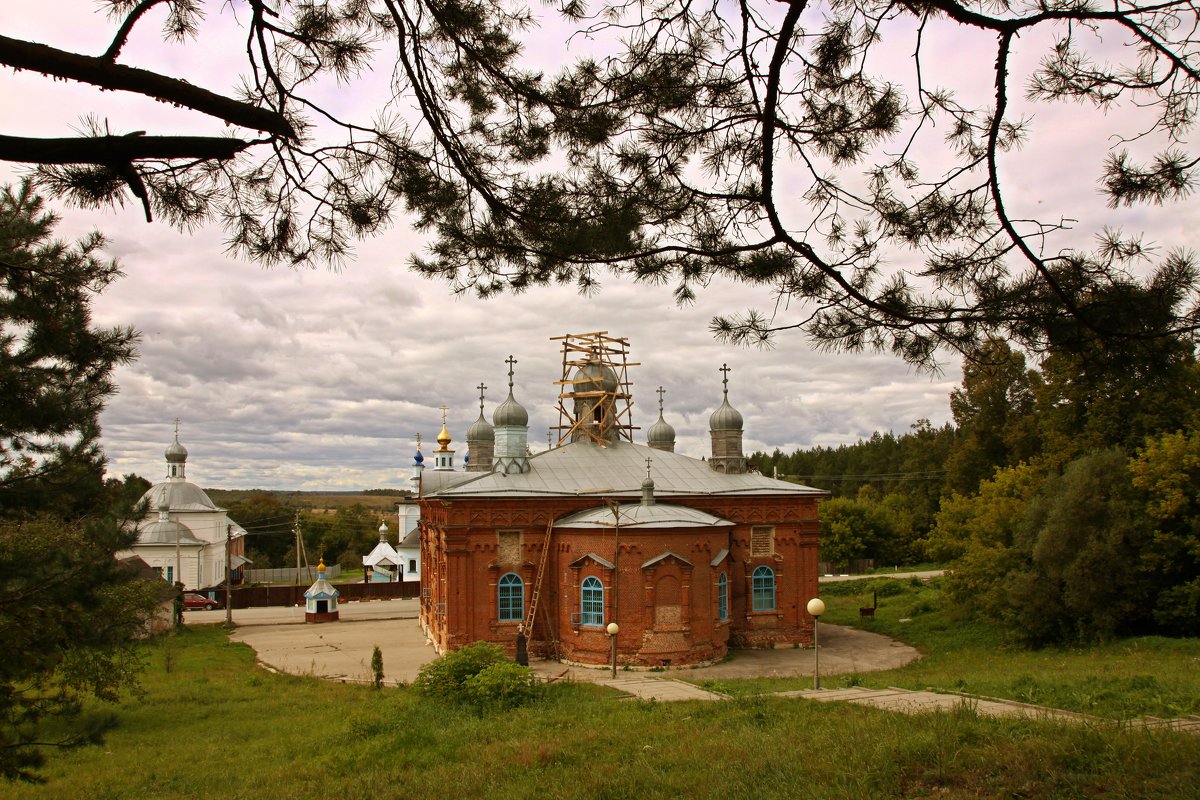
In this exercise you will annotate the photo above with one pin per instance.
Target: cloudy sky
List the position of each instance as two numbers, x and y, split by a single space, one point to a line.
320 379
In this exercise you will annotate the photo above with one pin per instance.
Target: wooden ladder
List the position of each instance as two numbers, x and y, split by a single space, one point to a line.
537 587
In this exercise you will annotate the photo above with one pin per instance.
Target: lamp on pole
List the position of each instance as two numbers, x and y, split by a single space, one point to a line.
613 629
816 607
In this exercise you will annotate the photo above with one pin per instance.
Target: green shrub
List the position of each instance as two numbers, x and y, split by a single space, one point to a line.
502 685
887 587
446 677
377 667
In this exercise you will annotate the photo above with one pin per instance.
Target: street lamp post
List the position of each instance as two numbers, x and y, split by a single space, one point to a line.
816 607
613 629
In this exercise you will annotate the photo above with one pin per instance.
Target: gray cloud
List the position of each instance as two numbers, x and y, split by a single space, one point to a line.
316 379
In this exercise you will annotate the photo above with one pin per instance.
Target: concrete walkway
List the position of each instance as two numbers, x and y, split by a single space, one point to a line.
663 689
907 701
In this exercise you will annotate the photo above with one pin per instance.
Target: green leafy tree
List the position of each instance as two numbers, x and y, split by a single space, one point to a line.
68 609
1085 533
71 612
983 535
270 526
767 143
344 538
1106 548
1168 471
869 526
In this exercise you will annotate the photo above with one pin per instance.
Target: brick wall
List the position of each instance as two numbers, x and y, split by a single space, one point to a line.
667 611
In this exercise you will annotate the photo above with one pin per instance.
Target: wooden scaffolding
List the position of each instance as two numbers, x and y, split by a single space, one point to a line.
610 408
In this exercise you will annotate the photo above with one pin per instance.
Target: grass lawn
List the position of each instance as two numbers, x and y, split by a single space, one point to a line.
215 726
1146 676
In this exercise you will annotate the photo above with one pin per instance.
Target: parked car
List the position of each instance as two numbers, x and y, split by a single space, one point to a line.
193 600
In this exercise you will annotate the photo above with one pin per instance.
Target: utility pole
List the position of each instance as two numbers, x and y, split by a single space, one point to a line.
296 527
229 576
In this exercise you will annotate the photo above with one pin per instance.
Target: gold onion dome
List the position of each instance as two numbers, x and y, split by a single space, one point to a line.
443 438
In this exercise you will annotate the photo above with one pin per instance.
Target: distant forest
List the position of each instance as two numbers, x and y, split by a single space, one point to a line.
1065 497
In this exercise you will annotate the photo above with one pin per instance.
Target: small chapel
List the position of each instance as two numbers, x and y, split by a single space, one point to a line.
689 556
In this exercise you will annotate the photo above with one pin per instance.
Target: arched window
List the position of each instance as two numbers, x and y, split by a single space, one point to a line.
723 597
591 602
763 589
512 598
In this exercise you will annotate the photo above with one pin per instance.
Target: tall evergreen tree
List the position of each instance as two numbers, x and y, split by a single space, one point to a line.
994 412
68 609
55 366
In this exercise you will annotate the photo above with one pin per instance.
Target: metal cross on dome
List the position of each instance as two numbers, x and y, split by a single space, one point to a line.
482 388
661 392
510 361
443 409
725 380
648 460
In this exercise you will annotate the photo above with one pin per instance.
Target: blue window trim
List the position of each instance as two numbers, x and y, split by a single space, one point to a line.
762 589
511 598
591 602
722 597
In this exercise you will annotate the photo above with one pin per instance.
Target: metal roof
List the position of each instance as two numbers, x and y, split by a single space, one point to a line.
436 480
167 532
180 496
584 467
321 588
383 553
636 515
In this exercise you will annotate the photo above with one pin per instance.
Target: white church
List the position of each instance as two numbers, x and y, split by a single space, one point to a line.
183 536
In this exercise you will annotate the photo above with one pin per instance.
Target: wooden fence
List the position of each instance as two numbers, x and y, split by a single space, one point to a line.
259 596
288 574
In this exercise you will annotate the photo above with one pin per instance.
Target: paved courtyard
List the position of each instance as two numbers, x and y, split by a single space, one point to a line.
342 650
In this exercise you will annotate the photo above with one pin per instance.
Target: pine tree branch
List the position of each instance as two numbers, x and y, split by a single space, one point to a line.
100 72
122 36
115 150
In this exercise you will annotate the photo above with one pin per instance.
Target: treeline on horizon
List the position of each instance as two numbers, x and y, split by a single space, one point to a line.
1065 496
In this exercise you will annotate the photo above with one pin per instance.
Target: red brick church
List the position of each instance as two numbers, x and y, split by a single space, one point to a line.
689 556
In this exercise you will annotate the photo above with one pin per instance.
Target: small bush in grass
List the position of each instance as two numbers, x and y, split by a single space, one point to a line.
377 667
503 685
887 587
447 676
